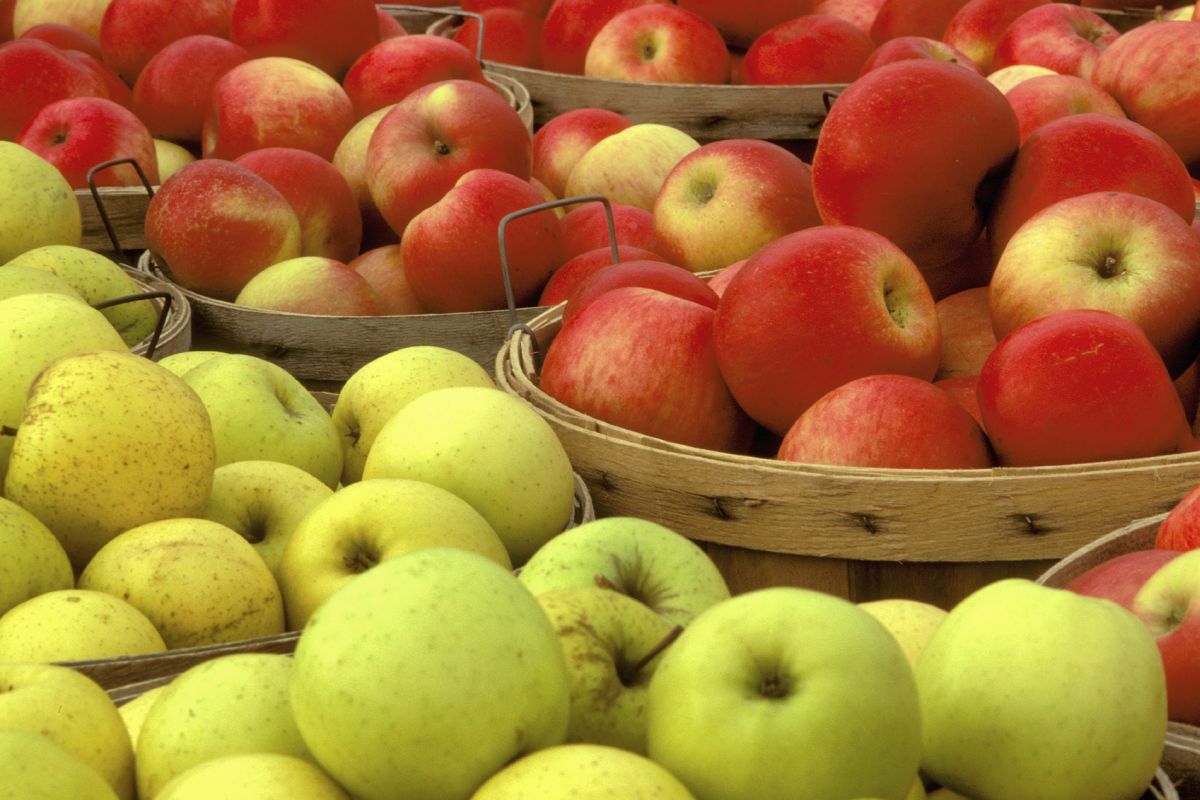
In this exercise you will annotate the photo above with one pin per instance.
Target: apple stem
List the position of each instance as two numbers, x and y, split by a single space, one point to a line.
7 431
641 663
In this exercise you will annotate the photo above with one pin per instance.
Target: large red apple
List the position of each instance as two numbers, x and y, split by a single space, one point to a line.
563 140
329 34
1048 97
816 309
172 90
394 68
510 36
78 133
913 18
740 22
570 26
648 274
815 48
661 43
34 74
133 31
978 25
965 319
1059 36
576 270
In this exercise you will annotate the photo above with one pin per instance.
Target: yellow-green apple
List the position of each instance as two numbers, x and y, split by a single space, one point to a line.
264 501
888 421
466 674
570 26
325 33
911 622
330 222
1146 71
630 166
180 363
965 391
563 139
1006 78
1112 251
258 227
34 74
64 37
723 202
275 101
1014 654
978 25
39 206
71 710
666 278
930 196
199 582
644 360
40 769
350 159
585 228
578 269
510 36
395 68
74 625
133 712
88 459
1079 386
653 564
370 522
383 269
171 92
1119 578
433 137
719 281
661 43
905 47
228 705
170 158
82 14
815 48
929 18
1059 160
133 31
861 12
1048 97
260 412
831 679
965 319
742 23
1180 530
311 285
33 561
263 776
490 449
585 772
450 251
384 385
16 279
1059 36
790 326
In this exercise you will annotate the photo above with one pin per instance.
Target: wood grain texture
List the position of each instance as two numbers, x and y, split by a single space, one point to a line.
176 336
126 209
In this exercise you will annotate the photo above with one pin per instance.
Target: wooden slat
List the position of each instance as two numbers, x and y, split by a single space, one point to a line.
126 208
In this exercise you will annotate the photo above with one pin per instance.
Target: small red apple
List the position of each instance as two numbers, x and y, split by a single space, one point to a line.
666 278
78 133
579 268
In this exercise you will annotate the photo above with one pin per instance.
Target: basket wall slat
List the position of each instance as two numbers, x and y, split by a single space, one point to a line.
126 207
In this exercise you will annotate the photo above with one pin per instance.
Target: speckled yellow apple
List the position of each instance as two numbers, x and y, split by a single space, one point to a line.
262 776
31 560
583 772
76 625
910 621
37 768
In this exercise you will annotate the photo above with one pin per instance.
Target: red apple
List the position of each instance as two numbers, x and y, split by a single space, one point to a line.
741 23
861 12
172 90
330 222
816 309
630 166
905 47
6 19
815 48
657 275
64 37
389 26
311 285
275 102
257 227
661 43
1059 36
585 228
912 150
1119 578
579 268
643 360
1079 386
965 391
133 31
510 36
383 267
723 202
34 74
537 8
570 26
329 34
78 133
451 252
719 281
1180 530
1048 97
112 87
978 25
563 140
1187 385
1166 606
433 137
887 421
913 18
965 319
394 68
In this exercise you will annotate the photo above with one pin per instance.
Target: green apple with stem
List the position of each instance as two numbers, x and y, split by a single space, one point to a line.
27 280
583 772
31 560
645 560
76 625
36 768
253 776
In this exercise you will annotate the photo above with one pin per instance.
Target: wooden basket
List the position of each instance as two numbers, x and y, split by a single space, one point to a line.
864 534
1181 757
176 336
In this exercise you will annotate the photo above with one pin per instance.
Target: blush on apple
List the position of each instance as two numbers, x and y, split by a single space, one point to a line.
927 18
977 26
579 268
172 90
585 228
328 35
905 47
383 267
133 31
563 140
661 43
815 48
1059 36
666 278
1048 97
510 36
78 133
965 391
394 68
860 12
965 319
64 37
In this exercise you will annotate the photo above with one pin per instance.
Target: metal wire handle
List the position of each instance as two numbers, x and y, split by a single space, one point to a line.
163 311
98 199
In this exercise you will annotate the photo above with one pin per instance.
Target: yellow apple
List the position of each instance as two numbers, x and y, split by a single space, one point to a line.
27 280
583 772
36 768
31 560
39 205
910 621
253 776
76 625
133 713
171 158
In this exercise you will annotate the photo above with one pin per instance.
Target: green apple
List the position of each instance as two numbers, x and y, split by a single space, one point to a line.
35 329
76 625
489 448
225 706
786 693
425 675
912 622
180 363
642 559
171 158
97 279
196 580
380 388
261 413
264 501
36 768
1034 692
73 711
372 521
31 560
945 794
253 776
109 441
27 280
133 713
583 772
612 644
39 205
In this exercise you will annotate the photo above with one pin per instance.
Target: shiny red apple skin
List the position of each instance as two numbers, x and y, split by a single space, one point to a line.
666 278
579 268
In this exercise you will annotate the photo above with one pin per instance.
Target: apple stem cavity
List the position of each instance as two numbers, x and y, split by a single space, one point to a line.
1110 267
441 148
629 673
361 560
896 312
774 686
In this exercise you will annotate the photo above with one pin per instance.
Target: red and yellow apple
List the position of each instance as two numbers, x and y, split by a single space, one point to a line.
79 133
383 267
1059 36
329 34
903 48
1048 97
172 90
579 268
630 166
815 48
311 285
666 278
570 26
977 26
34 74
133 31
585 228
661 43
394 68
965 319
562 141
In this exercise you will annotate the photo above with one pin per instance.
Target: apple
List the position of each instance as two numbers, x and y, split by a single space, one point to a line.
564 138
575 271
1164 606
433 137
930 194
907 47
570 26
74 625
40 769
666 278
742 23
1119 578
585 772
1113 251
33 560
911 622
861 12
538 8
389 26
350 160
17 280
1060 36
630 166
395 68
724 201
721 280
927 18
79 133
328 35
465 670
833 680
264 776
1006 78
789 327
170 158
661 43
585 228
259 227
85 15
39 207
34 74
1180 530
133 31
1044 98
311 285
111 86
64 37
965 391
977 26
887 421
1014 654
1079 386
172 89
510 36
814 48
383 269
133 712
965 319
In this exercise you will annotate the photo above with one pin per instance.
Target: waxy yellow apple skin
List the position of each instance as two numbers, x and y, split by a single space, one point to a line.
630 166
39 206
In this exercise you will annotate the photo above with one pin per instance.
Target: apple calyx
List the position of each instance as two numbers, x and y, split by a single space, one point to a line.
440 148
361 559
1110 267
648 48
628 673
775 686
895 310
